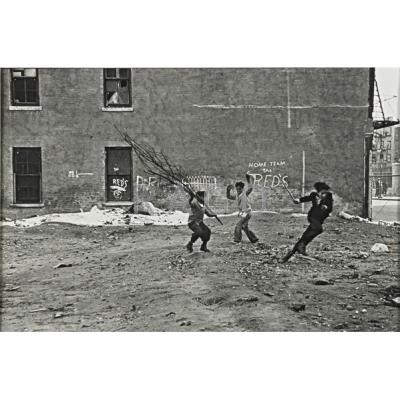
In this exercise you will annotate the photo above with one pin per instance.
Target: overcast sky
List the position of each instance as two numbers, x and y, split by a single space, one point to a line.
388 84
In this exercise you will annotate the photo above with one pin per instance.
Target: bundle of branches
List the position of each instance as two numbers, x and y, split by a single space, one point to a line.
156 163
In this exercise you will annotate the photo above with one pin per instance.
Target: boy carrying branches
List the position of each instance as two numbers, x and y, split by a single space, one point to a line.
195 222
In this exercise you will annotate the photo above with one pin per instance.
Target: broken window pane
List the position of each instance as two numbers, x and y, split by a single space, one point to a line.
117 88
123 93
120 96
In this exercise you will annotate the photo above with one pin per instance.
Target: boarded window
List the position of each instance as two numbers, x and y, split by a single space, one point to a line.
118 174
27 175
117 87
24 87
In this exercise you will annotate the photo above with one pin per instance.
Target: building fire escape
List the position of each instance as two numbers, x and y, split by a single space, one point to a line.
379 119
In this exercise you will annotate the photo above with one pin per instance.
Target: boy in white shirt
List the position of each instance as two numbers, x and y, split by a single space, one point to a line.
244 208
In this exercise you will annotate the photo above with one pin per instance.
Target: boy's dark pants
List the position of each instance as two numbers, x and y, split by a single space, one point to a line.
243 224
312 231
200 230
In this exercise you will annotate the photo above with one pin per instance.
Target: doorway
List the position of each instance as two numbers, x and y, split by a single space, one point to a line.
119 174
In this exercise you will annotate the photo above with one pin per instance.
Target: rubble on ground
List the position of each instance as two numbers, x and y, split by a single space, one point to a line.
97 217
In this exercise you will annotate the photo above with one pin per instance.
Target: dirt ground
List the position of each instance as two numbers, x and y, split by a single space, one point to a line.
142 279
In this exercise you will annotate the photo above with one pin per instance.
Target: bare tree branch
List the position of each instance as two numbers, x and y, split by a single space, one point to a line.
157 163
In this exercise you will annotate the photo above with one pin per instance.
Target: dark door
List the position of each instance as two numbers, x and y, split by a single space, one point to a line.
118 173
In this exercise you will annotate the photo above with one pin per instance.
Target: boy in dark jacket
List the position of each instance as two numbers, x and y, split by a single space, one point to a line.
322 204
195 222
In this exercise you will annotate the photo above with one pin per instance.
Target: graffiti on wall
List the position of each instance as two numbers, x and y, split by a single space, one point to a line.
196 181
76 174
118 187
202 181
143 183
269 174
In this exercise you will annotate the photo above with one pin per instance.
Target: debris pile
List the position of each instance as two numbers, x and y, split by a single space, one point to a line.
349 217
97 217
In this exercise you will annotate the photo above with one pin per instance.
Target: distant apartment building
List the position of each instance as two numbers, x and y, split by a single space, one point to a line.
385 153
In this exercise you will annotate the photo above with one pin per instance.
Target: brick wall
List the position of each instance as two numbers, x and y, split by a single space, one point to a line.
174 110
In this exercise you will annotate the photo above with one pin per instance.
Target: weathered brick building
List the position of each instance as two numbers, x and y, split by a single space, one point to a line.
60 151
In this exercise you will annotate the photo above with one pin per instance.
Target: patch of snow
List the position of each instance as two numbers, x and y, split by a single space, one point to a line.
350 217
97 217
298 215
115 217
379 248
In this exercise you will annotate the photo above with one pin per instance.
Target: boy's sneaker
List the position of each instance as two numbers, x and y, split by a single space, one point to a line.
255 241
189 247
288 256
301 249
204 248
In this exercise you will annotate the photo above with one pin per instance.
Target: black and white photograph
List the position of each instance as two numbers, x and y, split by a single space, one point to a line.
200 198
235 199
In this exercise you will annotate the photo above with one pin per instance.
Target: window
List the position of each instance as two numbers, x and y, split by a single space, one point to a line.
24 87
118 173
117 87
27 175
